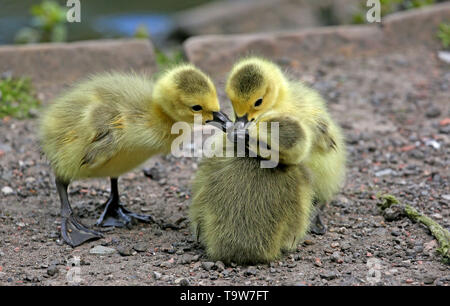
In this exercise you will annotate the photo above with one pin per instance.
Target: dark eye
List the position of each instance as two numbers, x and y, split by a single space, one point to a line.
196 108
258 103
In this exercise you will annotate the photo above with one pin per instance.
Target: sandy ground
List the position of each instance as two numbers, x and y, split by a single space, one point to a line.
393 111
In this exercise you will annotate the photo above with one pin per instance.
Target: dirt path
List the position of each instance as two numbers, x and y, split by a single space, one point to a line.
393 111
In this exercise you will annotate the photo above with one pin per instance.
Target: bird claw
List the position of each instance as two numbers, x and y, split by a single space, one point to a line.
75 233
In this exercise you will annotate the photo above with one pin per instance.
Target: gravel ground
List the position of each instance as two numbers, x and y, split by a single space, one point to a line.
395 112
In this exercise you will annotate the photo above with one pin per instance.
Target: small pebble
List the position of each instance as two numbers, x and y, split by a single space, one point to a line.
7 190
140 247
156 275
182 282
124 251
250 271
207 265
101 250
52 270
433 112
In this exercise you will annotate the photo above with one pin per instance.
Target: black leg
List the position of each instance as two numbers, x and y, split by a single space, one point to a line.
117 215
317 227
72 230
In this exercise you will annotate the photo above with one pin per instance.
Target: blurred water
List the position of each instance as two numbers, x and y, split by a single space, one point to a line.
100 18
159 25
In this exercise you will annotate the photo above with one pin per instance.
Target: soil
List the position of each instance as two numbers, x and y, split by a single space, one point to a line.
395 113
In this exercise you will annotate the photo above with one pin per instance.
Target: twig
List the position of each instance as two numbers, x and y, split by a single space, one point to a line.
441 234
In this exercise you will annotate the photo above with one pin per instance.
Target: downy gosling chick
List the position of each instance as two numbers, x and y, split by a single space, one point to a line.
260 92
111 123
247 214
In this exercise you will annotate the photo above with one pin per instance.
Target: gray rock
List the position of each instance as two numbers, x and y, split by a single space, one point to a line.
42 62
101 250
7 190
335 257
156 275
52 270
410 28
329 275
429 279
182 281
141 247
220 266
207 265
124 251
251 271
433 112
446 197
187 259
156 173
384 172
393 213
444 56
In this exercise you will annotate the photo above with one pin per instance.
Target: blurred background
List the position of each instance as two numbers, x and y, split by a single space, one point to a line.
170 22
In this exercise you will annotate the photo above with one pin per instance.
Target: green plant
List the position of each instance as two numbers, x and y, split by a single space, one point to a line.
165 61
17 98
48 24
444 34
142 32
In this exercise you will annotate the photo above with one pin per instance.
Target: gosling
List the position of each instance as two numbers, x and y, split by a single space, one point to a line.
247 214
260 92
109 124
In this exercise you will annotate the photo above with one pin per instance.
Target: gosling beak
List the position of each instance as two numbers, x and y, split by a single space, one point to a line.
239 131
220 120
241 122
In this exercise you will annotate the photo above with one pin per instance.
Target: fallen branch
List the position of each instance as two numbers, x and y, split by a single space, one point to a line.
441 234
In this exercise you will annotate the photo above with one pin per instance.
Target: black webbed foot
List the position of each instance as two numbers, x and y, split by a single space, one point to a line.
72 230
118 216
75 233
317 226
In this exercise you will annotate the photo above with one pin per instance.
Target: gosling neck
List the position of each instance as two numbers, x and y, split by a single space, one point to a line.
161 117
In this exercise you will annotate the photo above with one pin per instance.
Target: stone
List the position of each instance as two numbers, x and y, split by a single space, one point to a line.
220 266
7 190
53 66
215 54
52 270
393 213
251 271
228 17
384 172
429 279
182 281
156 275
330 275
444 56
433 112
207 265
124 251
101 250
140 247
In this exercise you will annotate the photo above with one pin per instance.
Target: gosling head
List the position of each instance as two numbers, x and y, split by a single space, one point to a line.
254 86
184 92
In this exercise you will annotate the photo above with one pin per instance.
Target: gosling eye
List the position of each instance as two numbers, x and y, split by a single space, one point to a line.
258 102
196 108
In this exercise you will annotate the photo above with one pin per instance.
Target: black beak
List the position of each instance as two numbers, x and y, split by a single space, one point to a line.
241 121
220 120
